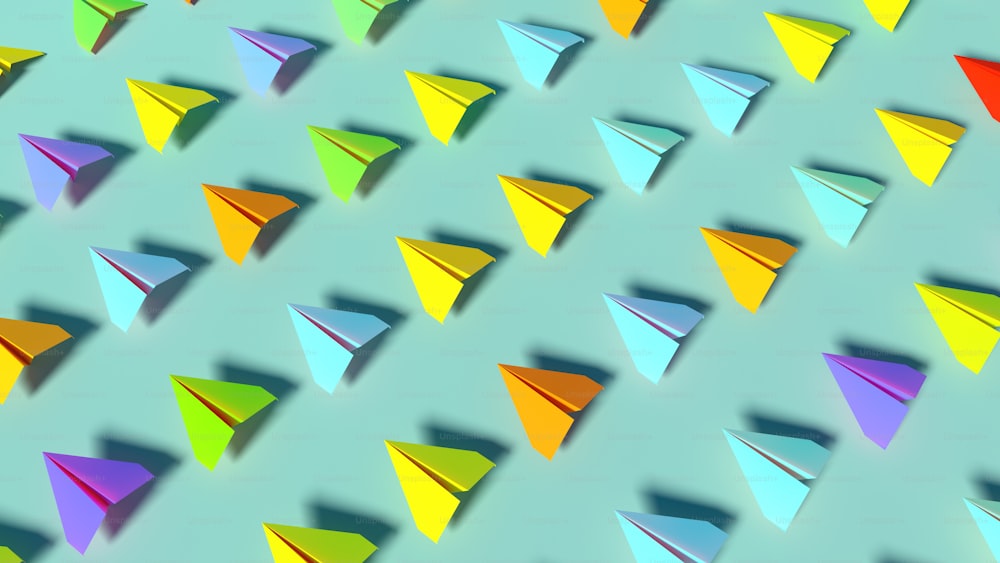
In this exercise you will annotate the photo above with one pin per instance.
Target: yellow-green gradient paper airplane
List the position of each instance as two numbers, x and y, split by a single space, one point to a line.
923 142
162 107
439 271
541 208
807 43
291 544
887 12
444 101
211 411
968 320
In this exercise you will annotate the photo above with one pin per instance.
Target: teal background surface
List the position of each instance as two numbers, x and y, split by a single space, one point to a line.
319 460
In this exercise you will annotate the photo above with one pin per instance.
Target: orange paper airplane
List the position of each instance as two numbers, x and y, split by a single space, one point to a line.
623 14
544 400
241 214
748 263
20 342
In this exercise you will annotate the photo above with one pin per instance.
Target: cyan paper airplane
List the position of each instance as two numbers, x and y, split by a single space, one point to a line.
536 49
127 278
358 16
875 391
86 487
263 54
725 94
635 149
838 200
650 330
94 20
9 56
330 338
987 516
968 321
53 163
667 539
776 467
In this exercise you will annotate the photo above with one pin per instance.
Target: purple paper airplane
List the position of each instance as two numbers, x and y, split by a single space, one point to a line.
52 163
263 54
875 390
86 487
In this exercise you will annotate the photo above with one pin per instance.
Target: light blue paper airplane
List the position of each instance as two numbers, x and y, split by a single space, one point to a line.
662 539
775 468
986 513
329 339
725 94
263 54
650 330
838 200
126 278
536 49
54 163
635 149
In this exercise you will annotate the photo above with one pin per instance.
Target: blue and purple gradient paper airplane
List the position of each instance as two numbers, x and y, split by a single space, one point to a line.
330 338
263 55
127 278
85 488
536 49
650 330
54 163
875 391
667 539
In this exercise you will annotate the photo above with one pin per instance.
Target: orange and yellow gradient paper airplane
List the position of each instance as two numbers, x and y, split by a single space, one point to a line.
20 343
240 215
541 208
748 263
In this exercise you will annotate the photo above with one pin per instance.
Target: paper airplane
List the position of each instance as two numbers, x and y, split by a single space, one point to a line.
875 391
8 556
346 156
776 467
635 149
9 56
94 20
807 43
85 488
986 513
240 215
291 544
967 319
213 409
985 79
20 342
357 16
623 14
650 330
838 200
127 278
330 339
923 142
429 475
161 108
544 400
654 538
536 49
439 271
263 54
725 94
444 101
541 208
53 163
748 263
887 12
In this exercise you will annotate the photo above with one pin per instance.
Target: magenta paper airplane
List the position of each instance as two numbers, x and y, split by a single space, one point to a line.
53 163
86 487
264 54
875 391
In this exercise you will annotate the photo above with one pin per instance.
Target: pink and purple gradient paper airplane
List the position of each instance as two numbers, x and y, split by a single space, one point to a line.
875 391
54 163
85 488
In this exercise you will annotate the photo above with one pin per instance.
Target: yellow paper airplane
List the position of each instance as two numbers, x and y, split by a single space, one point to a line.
887 12
968 321
161 108
9 56
439 271
20 342
292 544
923 142
807 43
541 208
444 101
748 263
429 475
241 214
